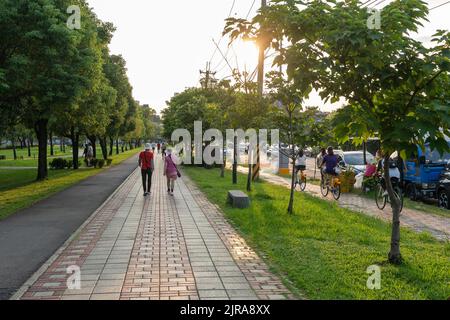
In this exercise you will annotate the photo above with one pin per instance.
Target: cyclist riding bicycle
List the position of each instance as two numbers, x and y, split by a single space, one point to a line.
300 163
330 160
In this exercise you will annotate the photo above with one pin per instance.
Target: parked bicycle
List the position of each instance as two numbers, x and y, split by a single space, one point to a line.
382 196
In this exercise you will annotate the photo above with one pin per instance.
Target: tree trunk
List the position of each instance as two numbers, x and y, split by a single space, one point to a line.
29 148
104 147
291 140
75 137
111 146
250 172
42 135
52 152
395 256
291 197
117 146
21 143
235 161
13 143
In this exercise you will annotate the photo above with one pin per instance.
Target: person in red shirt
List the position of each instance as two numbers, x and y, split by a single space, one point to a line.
147 164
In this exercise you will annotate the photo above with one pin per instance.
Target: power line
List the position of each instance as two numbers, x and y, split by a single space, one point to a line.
228 49
229 65
250 10
438 6
378 3
366 4
229 15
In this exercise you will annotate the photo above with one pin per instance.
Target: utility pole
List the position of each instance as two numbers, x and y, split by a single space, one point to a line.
208 81
262 49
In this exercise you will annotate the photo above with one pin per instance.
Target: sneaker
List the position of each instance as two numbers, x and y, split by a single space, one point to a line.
145 194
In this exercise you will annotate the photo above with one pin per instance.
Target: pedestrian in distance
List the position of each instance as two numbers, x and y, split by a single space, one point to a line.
147 165
158 146
88 154
163 149
171 171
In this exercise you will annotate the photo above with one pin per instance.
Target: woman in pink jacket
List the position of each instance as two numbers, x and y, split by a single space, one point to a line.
170 171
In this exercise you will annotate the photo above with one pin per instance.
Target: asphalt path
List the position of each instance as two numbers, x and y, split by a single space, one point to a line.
31 236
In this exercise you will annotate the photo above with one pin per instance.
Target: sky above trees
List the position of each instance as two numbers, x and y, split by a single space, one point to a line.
166 43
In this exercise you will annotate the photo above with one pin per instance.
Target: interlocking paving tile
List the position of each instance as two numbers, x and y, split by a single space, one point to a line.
160 247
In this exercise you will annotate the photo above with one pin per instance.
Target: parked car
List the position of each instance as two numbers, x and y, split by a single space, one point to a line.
423 173
443 189
354 160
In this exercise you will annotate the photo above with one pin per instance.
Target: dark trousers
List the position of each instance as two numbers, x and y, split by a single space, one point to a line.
147 179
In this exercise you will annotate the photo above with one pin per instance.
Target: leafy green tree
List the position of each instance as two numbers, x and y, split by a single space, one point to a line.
293 121
395 87
115 70
45 68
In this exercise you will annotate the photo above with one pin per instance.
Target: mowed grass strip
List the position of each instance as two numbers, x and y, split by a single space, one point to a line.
19 190
324 250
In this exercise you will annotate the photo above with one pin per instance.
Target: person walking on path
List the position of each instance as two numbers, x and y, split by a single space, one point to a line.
163 149
88 154
170 171
147 164
158 146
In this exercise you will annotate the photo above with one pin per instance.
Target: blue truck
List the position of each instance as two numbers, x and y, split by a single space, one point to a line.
424 173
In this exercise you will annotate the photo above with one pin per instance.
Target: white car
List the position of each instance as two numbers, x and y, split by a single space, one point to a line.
354 160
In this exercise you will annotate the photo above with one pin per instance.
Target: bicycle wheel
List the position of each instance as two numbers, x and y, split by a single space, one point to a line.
399 194
303 184
380 198
324 188
336 192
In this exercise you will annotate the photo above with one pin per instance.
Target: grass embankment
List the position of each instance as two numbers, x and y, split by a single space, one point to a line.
19 190
32 162
325 250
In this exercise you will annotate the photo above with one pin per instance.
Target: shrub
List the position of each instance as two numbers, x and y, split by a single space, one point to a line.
94 163
58 164
369 183
101 163
2 157
347 181
109 162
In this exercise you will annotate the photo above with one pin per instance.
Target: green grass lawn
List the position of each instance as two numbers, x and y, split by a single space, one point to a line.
324 250
19 190
32 161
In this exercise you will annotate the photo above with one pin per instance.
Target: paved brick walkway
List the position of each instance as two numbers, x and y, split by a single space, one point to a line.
437 226
159 247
